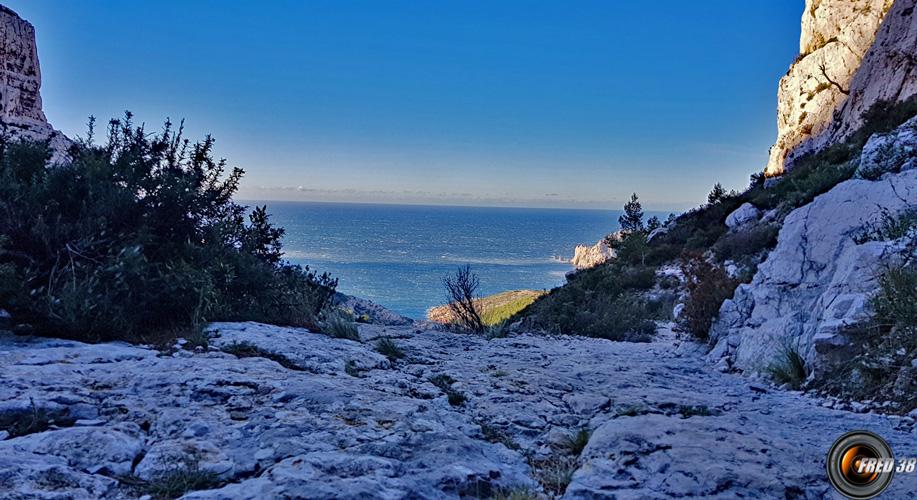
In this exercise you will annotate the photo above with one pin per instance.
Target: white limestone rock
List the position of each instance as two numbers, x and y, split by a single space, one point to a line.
818 279
891 152
835 36
745 214
21 114
585 256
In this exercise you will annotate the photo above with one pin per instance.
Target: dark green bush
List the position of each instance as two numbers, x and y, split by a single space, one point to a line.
708 286
735 246
139 237
599 302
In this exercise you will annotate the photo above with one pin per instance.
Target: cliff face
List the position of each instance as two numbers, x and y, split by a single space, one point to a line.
21 114
836 34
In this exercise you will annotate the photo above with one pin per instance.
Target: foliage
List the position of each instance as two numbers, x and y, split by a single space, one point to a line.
652 224
461 297
716 195
708 286
575 443
444 383
494 309
789 368
632 219
388 348
737 245
31 420
176 482
249 350
140 236
339 326
890 227
600 302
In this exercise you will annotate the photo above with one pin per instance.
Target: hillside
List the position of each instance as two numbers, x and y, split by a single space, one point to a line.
493 308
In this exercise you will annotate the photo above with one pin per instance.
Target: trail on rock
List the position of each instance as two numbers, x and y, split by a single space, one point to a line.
457 415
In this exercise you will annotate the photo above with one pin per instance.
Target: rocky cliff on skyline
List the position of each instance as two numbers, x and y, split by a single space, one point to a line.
21 114
835 35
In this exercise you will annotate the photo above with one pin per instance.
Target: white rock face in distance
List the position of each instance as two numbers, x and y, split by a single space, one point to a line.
21 113
818 279
585 256
835 36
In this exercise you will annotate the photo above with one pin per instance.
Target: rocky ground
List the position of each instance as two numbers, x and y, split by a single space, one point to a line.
455 416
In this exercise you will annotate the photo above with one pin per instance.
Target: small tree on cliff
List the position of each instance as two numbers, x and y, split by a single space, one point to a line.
632 219
717 194
461 291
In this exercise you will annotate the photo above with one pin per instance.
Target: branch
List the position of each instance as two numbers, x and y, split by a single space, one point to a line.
824 72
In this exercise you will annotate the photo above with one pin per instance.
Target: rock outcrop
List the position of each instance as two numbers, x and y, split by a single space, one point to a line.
835 36
21 114
819 278
585 256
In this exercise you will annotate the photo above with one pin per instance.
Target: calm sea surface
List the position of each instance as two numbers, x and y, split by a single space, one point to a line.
397 255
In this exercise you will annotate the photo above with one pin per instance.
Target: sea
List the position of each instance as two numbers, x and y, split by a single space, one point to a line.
397 255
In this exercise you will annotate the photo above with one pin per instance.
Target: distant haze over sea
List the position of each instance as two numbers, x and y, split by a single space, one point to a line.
397 255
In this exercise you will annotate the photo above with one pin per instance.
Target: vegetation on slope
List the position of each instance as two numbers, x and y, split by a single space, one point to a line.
618 299
494 309
139 239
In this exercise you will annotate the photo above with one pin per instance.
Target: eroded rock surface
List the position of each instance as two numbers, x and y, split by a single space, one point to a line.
382 429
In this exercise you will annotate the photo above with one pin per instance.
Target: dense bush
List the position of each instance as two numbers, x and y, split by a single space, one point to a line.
741 244
600 302
708 286
138 238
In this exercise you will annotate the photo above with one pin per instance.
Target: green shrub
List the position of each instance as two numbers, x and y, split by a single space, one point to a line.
708 286
388 348
340 327
890 227
575 443
738 245
601 302
176 482
789 368
140 236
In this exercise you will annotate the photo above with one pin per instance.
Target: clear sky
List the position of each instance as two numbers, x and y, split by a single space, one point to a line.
485 103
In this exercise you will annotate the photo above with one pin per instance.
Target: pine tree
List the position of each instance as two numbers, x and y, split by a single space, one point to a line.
653 223
632 220
717 194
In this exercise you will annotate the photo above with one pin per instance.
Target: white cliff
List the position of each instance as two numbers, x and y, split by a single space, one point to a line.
835 36
585 256
21 114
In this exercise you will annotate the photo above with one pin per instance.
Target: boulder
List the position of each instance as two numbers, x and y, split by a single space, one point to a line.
745 214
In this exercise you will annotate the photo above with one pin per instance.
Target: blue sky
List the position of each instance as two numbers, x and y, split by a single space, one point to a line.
573 104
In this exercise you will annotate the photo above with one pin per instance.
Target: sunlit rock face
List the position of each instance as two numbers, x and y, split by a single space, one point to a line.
888 73
836 34
21 114
585 256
